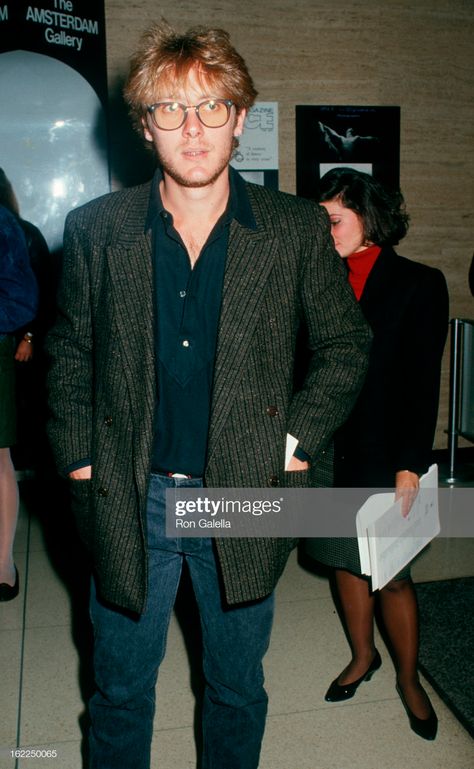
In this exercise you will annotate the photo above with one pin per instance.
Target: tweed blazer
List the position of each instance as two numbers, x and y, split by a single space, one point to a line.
278 277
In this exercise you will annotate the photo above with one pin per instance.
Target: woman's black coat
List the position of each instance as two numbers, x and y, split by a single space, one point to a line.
393 423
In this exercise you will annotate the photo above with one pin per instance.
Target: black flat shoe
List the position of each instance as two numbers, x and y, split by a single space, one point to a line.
9 592
423 727
339 692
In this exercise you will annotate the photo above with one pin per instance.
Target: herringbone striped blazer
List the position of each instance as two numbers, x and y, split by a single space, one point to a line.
279 277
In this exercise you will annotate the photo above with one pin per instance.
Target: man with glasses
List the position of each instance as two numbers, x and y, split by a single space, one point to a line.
173 360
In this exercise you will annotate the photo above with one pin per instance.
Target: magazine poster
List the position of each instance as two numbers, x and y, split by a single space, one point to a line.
256 157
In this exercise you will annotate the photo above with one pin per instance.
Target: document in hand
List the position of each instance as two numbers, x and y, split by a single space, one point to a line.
387 540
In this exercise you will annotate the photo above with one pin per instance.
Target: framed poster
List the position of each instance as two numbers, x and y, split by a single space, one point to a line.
364 138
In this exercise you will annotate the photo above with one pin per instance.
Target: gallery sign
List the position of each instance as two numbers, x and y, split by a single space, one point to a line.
70 30
53 122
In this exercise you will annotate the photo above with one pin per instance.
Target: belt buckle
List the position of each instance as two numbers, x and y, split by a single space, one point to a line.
178 475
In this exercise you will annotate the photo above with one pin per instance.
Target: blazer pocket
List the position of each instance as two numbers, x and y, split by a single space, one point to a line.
80 498
297 479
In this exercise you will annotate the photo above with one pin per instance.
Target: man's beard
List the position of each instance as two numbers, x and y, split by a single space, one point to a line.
185 181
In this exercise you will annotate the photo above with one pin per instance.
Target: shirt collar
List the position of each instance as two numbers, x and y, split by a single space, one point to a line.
238 207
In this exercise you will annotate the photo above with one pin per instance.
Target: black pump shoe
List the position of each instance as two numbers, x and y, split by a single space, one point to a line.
339 692
9 592
423 727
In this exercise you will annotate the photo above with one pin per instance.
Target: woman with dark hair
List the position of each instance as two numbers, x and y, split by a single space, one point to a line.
388 438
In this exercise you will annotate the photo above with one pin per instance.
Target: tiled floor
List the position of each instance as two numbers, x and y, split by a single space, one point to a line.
44 635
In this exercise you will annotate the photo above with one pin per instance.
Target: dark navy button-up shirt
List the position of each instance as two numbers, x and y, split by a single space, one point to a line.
187 310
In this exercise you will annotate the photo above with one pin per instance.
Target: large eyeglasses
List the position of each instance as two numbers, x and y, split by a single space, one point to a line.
169 115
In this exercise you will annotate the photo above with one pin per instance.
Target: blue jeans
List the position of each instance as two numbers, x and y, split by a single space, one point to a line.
129 650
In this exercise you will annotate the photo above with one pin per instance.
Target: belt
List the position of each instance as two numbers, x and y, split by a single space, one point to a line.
178 475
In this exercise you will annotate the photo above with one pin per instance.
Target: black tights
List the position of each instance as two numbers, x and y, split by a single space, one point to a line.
400 617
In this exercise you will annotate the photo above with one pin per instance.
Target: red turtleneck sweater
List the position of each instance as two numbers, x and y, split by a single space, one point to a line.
359 266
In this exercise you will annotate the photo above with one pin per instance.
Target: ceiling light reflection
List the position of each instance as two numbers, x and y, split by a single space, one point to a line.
58 188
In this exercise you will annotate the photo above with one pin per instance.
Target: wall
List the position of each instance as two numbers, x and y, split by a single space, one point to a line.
418 55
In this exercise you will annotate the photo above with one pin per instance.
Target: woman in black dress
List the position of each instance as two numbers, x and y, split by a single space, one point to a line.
387 440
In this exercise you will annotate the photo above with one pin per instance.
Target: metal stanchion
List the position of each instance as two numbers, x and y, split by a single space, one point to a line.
456 331
461 396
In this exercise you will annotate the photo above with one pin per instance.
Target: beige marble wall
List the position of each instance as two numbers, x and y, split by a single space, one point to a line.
414 53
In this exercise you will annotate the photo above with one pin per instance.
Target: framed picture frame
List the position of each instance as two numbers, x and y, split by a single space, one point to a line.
365 138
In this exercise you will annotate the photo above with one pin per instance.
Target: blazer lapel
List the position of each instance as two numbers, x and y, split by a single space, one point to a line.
249 263
132 294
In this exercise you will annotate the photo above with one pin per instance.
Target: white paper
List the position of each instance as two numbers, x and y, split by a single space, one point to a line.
291 444
373 508
391 540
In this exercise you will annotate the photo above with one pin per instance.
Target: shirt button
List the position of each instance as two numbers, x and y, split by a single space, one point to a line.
185 343
182 294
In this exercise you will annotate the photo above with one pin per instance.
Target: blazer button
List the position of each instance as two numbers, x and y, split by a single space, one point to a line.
273 480
103 491
108 421
272 411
